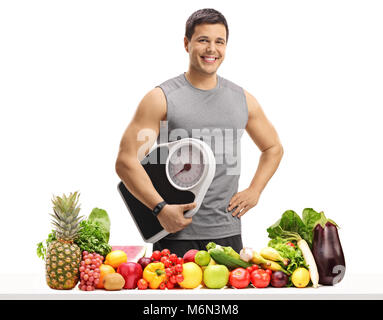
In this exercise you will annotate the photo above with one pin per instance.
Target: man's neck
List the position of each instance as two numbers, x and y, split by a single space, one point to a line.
201 81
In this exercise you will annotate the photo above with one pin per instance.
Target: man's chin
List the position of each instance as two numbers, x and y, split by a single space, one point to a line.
209 71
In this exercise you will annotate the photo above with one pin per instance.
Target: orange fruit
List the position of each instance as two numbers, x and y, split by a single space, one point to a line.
104 270
115 258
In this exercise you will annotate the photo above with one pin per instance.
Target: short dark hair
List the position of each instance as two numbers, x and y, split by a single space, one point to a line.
201 16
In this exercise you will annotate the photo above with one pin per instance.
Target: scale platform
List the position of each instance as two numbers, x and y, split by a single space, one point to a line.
181 172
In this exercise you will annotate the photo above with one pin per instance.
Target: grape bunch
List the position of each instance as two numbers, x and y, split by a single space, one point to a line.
173 267
90 270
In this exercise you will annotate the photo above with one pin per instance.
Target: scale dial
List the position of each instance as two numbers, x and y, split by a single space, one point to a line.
186 166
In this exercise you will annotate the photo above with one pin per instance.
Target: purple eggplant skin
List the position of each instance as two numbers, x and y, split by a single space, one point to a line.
328 254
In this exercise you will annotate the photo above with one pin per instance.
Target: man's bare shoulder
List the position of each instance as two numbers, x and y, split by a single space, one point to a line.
154 103
252 104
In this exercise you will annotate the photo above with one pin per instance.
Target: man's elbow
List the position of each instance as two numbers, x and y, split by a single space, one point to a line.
275 150
121 166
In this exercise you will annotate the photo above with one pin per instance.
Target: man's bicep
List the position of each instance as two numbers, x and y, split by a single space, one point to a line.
259 128
143 129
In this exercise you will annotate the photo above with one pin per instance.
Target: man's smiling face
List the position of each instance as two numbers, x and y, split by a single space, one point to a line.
207 47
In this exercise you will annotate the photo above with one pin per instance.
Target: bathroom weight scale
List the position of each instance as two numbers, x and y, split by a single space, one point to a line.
181 171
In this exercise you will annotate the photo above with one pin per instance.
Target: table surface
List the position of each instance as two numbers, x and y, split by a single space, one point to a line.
353 286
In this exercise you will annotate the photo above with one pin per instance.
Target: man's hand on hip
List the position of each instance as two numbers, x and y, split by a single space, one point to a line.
172 219
243 201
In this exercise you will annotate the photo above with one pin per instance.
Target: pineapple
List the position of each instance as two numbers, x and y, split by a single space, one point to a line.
63 255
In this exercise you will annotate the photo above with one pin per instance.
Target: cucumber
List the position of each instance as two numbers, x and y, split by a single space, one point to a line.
229 261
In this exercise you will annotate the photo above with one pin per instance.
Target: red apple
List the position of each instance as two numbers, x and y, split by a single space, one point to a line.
131 272
189 256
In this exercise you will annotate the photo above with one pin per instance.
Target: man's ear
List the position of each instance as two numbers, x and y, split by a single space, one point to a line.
186 44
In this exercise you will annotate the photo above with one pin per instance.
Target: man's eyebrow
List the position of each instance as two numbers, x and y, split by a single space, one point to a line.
206 37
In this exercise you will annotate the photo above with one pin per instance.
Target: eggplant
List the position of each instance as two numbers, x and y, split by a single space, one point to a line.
327 252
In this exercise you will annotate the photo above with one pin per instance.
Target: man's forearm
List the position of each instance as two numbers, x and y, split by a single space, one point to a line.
268 164
138 183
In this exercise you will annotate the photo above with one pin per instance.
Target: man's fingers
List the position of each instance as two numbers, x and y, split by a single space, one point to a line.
187 221
189 206
243 211
234 204
239 208
233 199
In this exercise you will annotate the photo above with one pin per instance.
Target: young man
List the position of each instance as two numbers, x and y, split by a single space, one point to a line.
200 99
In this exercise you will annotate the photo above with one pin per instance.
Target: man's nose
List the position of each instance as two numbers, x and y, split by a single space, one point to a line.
211 47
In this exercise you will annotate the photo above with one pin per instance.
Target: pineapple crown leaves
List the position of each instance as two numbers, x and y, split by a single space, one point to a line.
66 217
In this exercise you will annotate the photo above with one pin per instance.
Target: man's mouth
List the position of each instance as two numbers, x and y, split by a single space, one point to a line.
209 59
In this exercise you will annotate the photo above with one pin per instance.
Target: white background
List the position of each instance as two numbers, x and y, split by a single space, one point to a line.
73 72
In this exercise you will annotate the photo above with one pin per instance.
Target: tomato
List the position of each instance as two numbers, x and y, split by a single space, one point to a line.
165 252
179 278
260 278
168 263
173 258
173 279
142 284
164 259
180 260
168 272
178 268
268 271
169 285
156 255
290 244
254 267
239 278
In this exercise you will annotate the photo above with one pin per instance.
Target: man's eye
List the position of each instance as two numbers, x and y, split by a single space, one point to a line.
202 40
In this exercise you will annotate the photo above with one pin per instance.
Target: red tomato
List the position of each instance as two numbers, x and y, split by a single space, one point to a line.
255 267
165 252
290 244
173 258
269 272
164 259
169 285
239 278
260 278
156 255
142 284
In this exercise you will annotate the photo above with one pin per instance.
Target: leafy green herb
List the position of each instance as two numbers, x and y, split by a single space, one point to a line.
294 254
42 248
92 238
310 217
291 226
102 217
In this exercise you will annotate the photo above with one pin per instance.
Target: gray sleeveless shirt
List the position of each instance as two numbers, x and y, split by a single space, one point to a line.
218 117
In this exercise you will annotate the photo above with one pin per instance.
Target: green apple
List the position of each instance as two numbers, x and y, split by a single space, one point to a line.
216 276
202 258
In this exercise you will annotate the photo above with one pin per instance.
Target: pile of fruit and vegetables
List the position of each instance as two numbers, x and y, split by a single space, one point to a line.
301 252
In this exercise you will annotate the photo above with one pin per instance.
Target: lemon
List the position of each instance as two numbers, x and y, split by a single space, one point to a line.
115 258
300 277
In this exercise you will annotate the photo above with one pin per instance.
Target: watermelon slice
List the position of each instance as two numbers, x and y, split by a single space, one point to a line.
134 253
